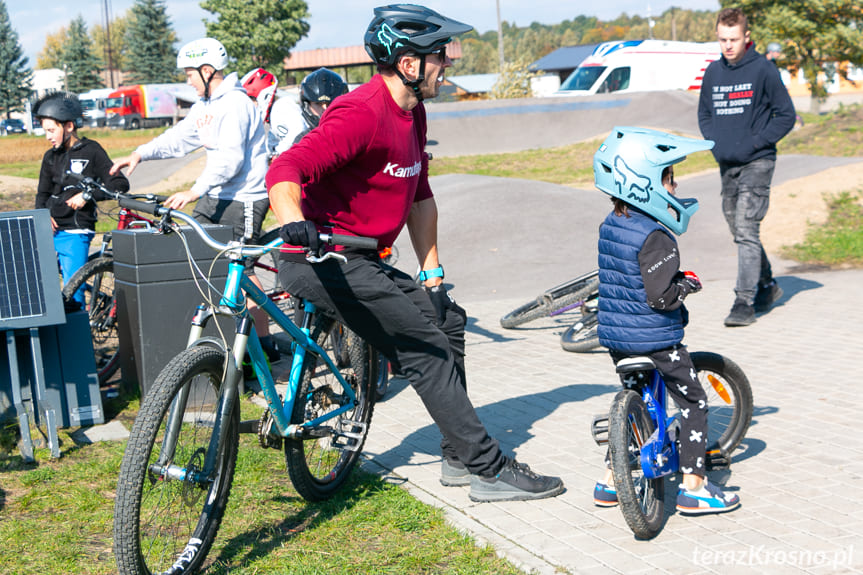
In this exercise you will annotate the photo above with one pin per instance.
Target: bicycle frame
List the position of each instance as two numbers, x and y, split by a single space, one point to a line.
239 286
659 454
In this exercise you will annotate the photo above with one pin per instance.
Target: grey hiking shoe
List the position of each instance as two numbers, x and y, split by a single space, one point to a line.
767 295
741 314
514 482
453 474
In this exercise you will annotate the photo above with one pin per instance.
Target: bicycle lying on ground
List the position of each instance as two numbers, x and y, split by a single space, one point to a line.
178 466
642 435
97 279
581 294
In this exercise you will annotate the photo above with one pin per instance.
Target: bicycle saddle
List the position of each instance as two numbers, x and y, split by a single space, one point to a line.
637 363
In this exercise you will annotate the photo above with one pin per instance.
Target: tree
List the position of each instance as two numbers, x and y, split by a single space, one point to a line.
15 75
118 42
51 54
259 33
477 57
513 82
816 37
82 67
151 57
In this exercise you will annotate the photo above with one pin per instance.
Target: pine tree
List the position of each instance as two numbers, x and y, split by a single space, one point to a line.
82 67
150 53
259 33
15 74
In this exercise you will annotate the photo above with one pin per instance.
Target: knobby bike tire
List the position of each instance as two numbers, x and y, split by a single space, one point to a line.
728 417
552 301
581 336
379 365
97 278
319 466
163 524
640 498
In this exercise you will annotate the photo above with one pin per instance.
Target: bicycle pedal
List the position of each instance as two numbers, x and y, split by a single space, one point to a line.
717 459
599 429
342 438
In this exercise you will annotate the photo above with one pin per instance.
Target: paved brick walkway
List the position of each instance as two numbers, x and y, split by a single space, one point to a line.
799 472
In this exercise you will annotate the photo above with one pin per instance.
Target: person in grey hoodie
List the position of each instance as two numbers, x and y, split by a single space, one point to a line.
745 108
231 189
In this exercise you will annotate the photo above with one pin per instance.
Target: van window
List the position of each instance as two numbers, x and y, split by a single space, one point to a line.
582 78
617 80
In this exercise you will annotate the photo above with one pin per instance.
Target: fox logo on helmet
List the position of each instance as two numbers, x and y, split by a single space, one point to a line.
630 183
389 38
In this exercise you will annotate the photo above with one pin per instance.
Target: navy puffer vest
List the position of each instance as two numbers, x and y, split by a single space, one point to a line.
626 323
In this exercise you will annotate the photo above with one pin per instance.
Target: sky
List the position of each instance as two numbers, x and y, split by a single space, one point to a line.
333 23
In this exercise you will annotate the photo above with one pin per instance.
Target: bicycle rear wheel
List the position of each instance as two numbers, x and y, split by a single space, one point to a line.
97 279
556 300
166 522
641 498
729 399
320 463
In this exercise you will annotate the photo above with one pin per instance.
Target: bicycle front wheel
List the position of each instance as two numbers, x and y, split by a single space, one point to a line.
641 498
556 300
168 510
100 303
320 462
581 336
729 399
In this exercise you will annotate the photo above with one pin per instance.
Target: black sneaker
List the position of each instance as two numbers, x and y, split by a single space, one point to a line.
767 295
515 482
741 314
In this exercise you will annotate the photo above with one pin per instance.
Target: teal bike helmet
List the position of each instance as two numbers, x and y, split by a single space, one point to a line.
629 164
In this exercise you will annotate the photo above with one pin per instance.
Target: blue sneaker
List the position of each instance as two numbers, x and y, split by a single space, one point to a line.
708 499
604 495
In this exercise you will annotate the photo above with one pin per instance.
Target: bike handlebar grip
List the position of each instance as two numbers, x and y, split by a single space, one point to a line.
354 242
138 206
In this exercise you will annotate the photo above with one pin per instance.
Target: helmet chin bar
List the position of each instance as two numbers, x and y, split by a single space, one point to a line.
415 84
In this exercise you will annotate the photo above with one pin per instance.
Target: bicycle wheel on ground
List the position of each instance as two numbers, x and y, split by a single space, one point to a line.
167 514
554 301
97 279
641 498
729 399
581 336
320 464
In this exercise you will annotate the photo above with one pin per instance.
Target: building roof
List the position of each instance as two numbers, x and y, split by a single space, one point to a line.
565 58
345 56
474 83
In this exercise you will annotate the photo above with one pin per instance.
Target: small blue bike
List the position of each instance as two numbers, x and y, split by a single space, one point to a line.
642 435
179 463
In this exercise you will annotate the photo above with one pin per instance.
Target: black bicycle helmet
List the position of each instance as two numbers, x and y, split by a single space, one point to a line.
398 29
321 86
60 106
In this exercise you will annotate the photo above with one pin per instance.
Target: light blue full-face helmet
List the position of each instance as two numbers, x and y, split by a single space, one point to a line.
629 164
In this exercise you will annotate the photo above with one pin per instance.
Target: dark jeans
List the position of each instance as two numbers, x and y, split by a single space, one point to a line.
677 370
394 314
745 199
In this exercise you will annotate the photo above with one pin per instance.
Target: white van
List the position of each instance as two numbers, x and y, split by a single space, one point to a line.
641 66
94 103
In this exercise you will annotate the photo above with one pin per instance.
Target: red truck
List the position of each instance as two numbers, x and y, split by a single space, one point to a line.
141 106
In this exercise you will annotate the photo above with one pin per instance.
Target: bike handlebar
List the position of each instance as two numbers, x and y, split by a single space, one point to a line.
329 239
87 184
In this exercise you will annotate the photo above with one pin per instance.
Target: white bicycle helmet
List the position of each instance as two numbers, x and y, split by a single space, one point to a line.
629 165
265 100
204 51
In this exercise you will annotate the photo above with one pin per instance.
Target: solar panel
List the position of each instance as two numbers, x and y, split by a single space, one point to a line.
29 280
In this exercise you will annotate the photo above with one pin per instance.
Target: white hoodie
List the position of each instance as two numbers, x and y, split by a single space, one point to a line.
230 128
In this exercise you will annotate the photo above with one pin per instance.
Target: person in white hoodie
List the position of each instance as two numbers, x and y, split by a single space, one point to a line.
231 189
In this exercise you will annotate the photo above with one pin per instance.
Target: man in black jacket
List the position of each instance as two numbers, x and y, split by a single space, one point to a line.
746 110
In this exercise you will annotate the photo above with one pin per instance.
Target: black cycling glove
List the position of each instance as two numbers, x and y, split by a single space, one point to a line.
303 233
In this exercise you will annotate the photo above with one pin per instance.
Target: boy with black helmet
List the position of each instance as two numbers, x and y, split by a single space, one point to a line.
364 171
72 217
641 290
317 91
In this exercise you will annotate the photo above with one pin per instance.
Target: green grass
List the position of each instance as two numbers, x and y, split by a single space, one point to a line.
56 517
839 241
